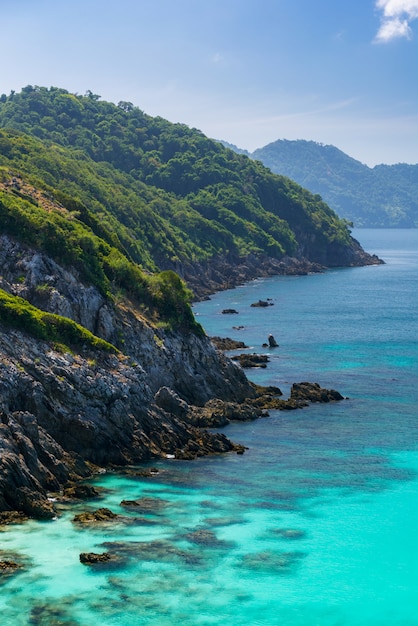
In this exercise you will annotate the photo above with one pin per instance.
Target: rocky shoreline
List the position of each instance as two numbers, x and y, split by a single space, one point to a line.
65 416
228 272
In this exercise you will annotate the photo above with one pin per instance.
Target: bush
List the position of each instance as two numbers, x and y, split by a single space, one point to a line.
15 312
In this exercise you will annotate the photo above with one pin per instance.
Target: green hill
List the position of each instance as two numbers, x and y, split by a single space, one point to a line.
385 196
101 359
125 199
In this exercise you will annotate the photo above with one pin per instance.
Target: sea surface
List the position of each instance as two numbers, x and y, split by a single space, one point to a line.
315 525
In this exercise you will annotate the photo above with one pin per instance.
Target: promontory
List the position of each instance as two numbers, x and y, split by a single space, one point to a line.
111 222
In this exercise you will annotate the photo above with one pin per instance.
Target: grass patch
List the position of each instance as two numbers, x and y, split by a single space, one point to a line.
18 313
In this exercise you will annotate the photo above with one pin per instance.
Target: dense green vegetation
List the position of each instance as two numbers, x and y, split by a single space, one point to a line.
179 193
20 314
125 199
385 196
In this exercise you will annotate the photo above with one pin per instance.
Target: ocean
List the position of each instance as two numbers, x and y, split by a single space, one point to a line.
315 525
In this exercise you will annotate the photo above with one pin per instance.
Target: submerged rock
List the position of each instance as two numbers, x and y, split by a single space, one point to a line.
160 550
53 613
290 533
203 536
12 517
145 505
9 566
272 562
12 563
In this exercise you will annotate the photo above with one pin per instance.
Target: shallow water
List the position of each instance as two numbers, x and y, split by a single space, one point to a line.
315 525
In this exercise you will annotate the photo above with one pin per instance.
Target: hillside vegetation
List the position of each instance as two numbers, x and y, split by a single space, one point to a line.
125 199
385 196
107 218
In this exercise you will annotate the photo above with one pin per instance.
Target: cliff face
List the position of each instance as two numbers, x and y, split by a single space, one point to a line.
63 413
227 272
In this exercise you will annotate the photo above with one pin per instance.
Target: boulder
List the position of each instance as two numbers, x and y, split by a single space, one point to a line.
81 492
313 392
93 517
251 360
262 303
92 558
272 342
226 343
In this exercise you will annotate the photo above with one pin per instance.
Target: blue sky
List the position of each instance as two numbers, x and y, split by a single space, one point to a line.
341 72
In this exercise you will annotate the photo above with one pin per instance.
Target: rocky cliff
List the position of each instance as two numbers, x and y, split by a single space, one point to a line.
63 414
229 271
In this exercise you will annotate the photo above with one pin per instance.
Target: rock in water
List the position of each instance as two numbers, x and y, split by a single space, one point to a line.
272 342
92 558
312 392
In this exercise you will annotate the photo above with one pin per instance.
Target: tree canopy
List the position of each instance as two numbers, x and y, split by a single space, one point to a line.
125 198
385 196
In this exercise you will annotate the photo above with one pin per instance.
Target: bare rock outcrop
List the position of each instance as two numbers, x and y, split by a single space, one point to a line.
313 392
64 415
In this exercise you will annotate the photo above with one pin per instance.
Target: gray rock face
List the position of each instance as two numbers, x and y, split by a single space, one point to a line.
62 413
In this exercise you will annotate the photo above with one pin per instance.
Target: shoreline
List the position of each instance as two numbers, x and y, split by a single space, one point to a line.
205 279
66 415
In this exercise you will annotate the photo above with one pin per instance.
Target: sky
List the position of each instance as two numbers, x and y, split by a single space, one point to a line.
340 72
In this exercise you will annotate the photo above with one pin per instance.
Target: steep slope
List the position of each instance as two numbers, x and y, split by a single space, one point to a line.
384 196
101 360
70 402
173 198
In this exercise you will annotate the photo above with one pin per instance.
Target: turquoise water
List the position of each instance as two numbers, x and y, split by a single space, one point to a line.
316 525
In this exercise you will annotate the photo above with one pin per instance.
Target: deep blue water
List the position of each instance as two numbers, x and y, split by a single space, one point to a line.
316 525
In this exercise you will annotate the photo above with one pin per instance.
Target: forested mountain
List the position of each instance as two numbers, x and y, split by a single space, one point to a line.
162 194
101 359
385 196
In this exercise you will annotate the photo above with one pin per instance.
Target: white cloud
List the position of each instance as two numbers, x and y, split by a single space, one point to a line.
392 29
395 20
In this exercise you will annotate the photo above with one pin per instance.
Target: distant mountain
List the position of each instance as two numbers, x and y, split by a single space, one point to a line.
385 196
235 148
